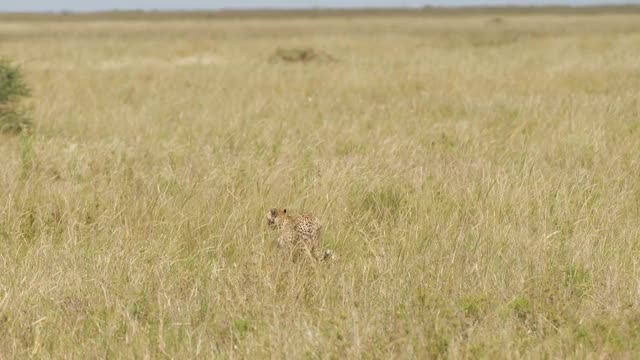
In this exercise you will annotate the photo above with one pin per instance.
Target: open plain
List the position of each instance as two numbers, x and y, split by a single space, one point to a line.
477 174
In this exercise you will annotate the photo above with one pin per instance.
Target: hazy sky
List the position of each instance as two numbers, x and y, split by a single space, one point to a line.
92 5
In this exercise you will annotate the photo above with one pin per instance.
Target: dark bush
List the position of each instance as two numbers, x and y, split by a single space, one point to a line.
300 55
13 88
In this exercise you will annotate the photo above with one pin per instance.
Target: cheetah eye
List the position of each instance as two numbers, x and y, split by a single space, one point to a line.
285 211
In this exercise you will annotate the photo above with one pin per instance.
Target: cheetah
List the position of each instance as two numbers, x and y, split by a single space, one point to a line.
301 231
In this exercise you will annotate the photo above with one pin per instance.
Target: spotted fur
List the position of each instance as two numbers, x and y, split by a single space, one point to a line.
298 232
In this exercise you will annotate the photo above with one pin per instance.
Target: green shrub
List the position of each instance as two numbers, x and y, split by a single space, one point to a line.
522 308
13 118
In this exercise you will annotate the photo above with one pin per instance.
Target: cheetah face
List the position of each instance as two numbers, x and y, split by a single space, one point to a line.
275 217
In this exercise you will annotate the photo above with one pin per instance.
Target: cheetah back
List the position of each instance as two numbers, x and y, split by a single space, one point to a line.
307 228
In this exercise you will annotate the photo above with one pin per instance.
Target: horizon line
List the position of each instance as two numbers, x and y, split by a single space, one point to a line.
331 8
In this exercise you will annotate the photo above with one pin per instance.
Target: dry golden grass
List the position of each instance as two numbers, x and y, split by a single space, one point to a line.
478 178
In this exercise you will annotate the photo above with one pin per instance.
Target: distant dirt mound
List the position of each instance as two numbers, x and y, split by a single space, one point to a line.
300 55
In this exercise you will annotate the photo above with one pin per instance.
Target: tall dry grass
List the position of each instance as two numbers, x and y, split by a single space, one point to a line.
478 178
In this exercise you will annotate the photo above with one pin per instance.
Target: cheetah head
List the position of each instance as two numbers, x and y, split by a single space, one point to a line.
276 217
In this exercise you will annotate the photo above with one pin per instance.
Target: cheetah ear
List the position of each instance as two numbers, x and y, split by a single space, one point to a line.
285 211
274 212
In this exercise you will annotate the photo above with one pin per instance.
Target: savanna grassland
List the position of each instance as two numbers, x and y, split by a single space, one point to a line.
477 176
